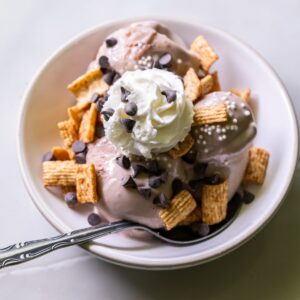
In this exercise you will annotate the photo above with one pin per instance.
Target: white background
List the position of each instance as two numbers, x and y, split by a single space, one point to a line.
267 267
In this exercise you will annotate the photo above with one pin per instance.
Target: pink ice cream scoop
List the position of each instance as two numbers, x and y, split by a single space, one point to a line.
119 202
145 44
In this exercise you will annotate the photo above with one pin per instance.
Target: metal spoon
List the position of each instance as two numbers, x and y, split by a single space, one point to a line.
25 251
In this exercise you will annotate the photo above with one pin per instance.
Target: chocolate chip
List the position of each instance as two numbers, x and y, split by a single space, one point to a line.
177 186
163 176
116 77
144 191
99 104
110 42
152 166
99 130
214 179
78 147
48 156
165 60
124 94
128 182
195 184
199 169
123 161
106 95
107 113
161 200
109 77
137 169
200 228
131 109
94 219
95 98
248 197
80 158
70 198
104 62
201 74
155 181
190 157
128 124
170 95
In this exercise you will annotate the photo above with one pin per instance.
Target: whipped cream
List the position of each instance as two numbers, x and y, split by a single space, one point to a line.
160 125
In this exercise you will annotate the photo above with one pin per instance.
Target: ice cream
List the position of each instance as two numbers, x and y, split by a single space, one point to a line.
229 137
141 45
160 122
118 202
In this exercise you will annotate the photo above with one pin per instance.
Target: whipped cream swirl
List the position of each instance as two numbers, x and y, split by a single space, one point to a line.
159 124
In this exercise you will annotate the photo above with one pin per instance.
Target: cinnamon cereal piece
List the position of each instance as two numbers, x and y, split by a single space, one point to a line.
204 51
194 216
60 153
87 126
257 166
192 85
86 85
206 84
59 173
86 184
214 203
216 83
183 147
210 114
245 95
180 207
68 132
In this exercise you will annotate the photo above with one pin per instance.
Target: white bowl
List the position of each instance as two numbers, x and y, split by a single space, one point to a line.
47 99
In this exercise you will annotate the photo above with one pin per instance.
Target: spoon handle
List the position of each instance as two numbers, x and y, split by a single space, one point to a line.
25 251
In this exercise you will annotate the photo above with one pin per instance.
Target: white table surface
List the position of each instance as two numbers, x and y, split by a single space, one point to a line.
267 267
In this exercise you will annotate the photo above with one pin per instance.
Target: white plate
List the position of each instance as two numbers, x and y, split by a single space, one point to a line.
47 99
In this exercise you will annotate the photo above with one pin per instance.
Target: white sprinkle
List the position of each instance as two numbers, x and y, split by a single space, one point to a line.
209 132
198 142
204 142
200 136
213 127
149 57
223 129
197 131
179 60
169 165
220 138
149 65
230 114
243 105
205 150
226 162
218 130
247 113
165 159
227 127
234 120
224 136
227 101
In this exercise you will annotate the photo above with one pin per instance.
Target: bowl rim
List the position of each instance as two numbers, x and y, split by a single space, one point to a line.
170 263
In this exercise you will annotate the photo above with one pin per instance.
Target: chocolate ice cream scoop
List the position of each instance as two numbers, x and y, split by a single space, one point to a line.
228 137
120 198
145 45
